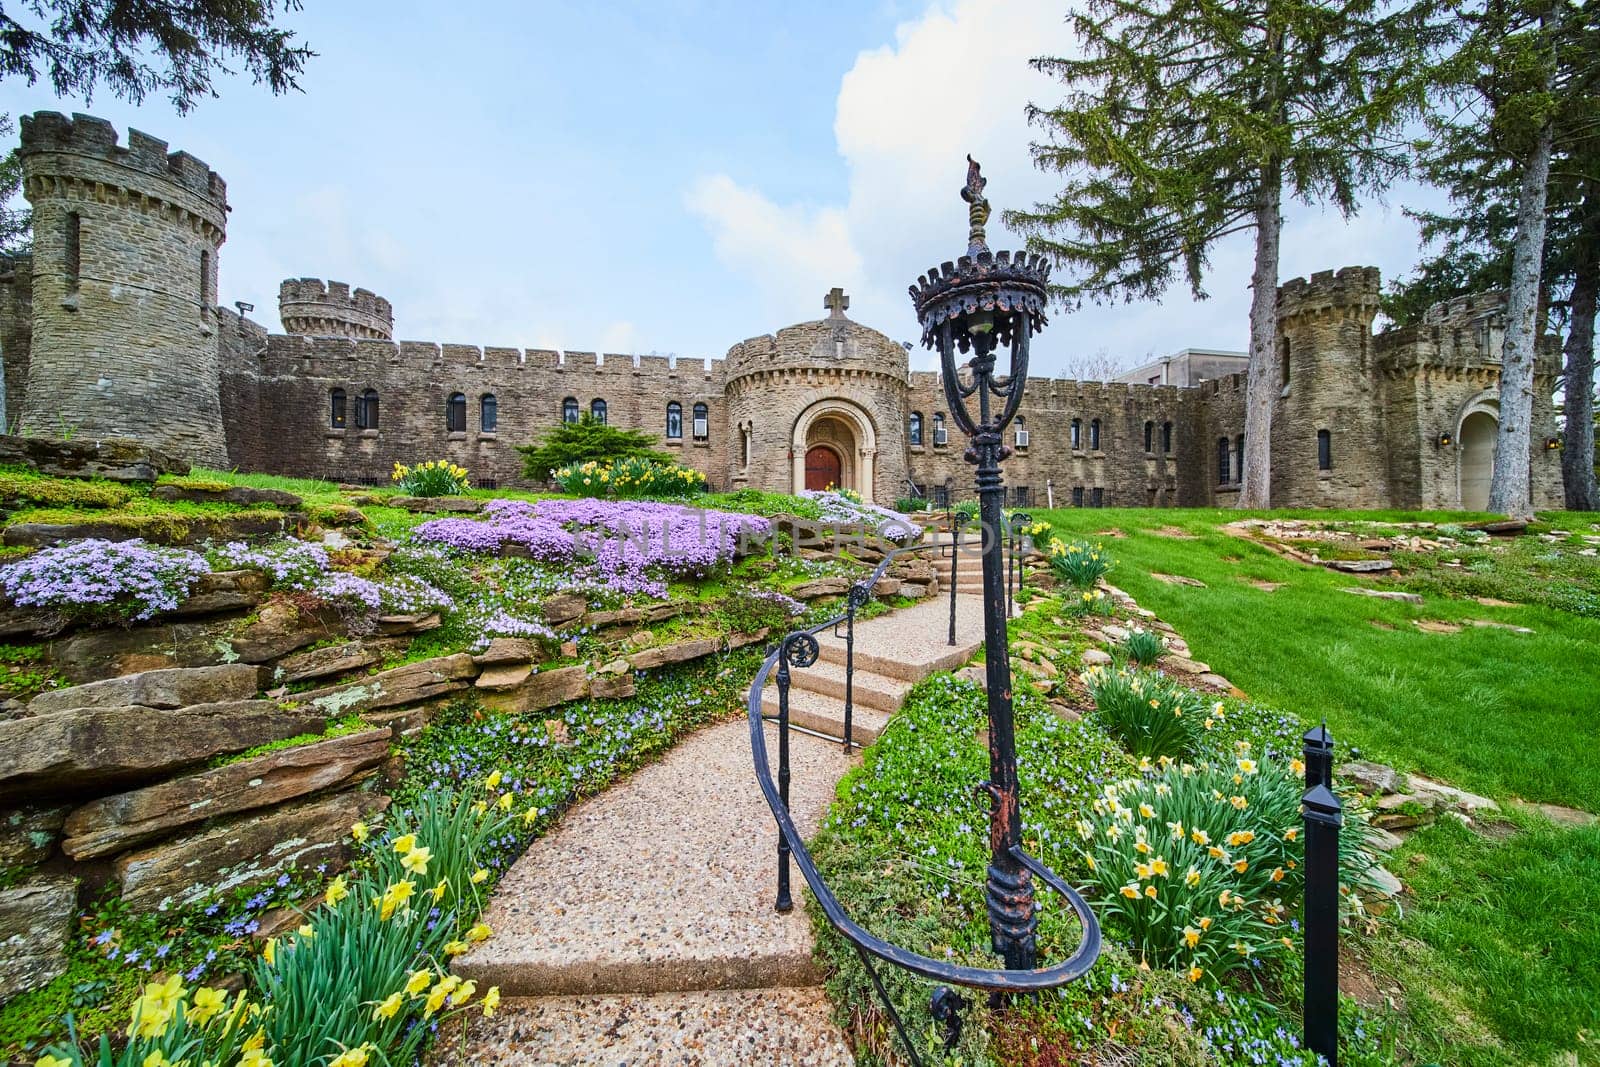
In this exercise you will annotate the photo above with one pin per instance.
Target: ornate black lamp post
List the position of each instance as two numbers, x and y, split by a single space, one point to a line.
982 303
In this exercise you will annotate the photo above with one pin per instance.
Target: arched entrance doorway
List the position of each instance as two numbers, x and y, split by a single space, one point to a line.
834 442
1477 437
823 468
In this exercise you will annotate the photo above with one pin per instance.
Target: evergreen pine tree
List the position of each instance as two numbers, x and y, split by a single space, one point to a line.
1187 120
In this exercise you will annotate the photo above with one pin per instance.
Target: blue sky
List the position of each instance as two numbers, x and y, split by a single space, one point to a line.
666 176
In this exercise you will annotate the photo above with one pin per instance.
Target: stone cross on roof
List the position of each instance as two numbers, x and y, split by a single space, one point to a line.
836 302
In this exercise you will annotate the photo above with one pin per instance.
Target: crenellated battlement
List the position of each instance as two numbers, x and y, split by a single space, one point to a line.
310 306
86 135
1352 289
1466 309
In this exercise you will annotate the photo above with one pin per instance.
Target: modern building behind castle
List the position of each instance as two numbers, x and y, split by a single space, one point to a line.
114 328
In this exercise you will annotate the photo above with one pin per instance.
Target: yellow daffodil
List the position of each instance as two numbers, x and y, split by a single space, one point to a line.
416 861
1150 891
270 953
338 889
1192 878
479 932
156 1059
1130 891
1200 837
1158 866
479 876
492 781
455 948
505 801
405 843
207 1003
1141 870
1248 766
1241 837
391 1005
464 992
439 890
359 831
1146 811
1291 833
351 1057
1297 767
418 981
1191 936
1241 866
1195 973
1239 802
491 1000
1277 874
305 931
1090 861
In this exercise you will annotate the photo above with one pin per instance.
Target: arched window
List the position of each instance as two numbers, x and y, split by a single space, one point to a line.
1283 359
674 421
1166 438
1021 436
1149 437
597 410
569 410
336 409
488 412
914 432
702 422
745 434
1094 436
455 413
939 435
1224 455
1324 451
367 410
1077 435
1238 458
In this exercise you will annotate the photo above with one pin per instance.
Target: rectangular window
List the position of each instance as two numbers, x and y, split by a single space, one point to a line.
1022 496
1099 497
205 280
1324 451
73 250
941 496
1077 496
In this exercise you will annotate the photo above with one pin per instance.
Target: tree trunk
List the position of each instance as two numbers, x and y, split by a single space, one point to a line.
1577 446
1511 490
1262 385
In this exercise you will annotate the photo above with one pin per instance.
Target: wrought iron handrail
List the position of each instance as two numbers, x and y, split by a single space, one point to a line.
800 648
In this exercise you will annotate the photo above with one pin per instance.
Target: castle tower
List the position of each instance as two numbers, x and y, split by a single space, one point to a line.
124 288
1329 447
307 306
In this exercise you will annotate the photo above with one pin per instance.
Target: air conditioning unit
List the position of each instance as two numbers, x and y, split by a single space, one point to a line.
1022 438
700 428
941 437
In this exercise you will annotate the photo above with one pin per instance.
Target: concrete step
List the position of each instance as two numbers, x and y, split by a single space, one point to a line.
787 1027
936 654
663 883
869 689
825 714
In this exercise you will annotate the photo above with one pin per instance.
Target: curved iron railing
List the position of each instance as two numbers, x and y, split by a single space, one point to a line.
800 648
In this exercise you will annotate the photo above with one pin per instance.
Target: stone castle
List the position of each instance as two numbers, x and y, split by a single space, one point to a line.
115 328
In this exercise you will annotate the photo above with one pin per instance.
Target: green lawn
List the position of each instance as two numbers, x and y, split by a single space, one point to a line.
1486 709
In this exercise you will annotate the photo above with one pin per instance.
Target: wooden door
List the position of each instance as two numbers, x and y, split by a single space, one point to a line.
822 468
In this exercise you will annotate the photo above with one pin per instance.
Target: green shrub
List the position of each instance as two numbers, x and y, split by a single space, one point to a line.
586 441
1143 647
748 610
1079 562
967 511
761 502
434 478
630 478
909 504
1149 714
1200 866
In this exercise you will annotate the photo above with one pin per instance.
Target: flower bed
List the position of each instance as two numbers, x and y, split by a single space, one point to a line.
631 546
843 506
97 580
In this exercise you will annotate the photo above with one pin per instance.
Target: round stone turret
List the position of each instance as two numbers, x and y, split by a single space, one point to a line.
125 246
307 306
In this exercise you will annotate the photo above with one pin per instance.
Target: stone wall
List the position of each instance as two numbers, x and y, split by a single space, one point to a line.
16 332
125 246
276 404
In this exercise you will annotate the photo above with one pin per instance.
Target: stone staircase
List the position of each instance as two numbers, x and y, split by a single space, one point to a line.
641 931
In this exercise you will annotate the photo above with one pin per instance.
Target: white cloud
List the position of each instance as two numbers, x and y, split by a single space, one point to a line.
956 80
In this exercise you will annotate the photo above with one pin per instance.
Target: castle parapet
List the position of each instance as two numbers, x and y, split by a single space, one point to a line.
1349 289
1462 310
329 309
145 156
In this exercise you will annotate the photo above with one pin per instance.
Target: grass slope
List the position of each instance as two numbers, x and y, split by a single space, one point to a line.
1451 706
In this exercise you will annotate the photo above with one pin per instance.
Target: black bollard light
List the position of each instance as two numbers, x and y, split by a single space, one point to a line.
1323 816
